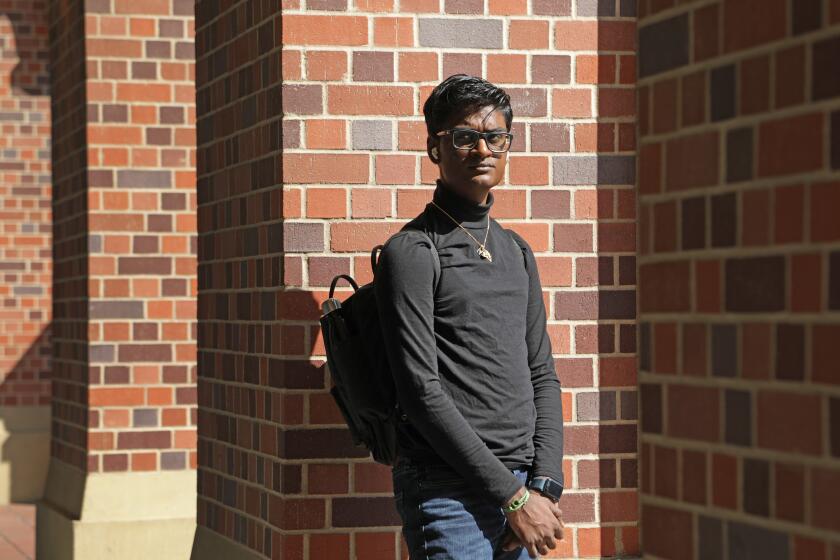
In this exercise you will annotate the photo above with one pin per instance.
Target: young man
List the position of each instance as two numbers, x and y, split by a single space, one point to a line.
481 436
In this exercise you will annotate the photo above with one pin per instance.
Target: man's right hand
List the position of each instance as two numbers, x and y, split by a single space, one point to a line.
536 524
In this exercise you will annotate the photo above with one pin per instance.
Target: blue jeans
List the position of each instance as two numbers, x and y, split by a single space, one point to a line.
445 519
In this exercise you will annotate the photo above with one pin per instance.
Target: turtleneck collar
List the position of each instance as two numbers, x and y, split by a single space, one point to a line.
460 208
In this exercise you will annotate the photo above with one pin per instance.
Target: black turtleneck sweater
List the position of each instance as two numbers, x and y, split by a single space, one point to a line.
469 349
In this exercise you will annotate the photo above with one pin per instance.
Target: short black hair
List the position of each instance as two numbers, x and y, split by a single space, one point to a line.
459 95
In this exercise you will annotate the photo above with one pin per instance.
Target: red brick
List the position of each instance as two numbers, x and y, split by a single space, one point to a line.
826 367
707 26
393 32
805 548
748 23
573 238
324 30
667 532
370 100
395 169
790 492
708 286
370 203
326 134
528 34
665 348
619 506
375 545
790 145
570 103
360 236
755 350
617 237
693 99
725 481
825 494
595 69
417 67
665 227
664 287
325 168
528 170
693 412
506 68
789 214
326 203
776 432
665 106
755 85
508 7
411 202
326 65
755 212
692 161
618 372
616 102
650 169
790 76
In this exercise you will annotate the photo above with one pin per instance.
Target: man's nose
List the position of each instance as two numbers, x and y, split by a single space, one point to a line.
482 148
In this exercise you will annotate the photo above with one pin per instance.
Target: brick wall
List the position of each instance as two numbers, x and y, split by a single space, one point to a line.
277 472
125 235
70 234
25 206
740 278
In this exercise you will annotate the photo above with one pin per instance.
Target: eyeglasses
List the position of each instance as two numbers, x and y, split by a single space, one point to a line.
467 139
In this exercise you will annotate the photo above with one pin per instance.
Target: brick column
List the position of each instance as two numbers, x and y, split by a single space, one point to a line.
121 479
25 254
740 279
278 474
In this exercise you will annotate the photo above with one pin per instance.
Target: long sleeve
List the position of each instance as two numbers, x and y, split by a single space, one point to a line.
548 433
404 292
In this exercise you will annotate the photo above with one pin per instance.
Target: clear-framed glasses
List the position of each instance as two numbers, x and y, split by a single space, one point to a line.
467 139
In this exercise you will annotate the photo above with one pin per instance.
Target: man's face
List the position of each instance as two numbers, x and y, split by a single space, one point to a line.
476 170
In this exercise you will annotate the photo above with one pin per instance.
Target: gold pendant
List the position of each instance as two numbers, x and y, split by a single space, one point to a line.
485 254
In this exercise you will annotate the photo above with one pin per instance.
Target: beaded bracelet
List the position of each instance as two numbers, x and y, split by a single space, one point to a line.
518 503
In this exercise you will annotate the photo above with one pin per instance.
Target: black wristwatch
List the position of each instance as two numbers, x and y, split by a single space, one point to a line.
546 486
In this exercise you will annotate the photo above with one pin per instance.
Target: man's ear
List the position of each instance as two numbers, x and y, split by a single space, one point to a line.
433 149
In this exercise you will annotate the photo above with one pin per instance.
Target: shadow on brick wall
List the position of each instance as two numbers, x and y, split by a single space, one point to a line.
30 75
25 430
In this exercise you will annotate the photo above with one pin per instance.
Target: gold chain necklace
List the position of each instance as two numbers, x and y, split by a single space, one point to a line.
482 247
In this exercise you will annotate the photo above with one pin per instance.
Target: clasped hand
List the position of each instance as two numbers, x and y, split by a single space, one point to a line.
536 526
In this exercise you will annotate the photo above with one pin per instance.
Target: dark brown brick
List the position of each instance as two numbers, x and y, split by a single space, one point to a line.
724 350
825 72
552 7
145 353
617 304
722 92
464 7
755 284
458 63
302 99
364 512
739 155
528 102
835 140
550 204
790 352
694 223
750 541
834 281
694 476
551 69
144 440
116 309
373 66
145 265
807 15
617 438
756 488
692 161
663 45
554 137
665 467
738 423
128 178
709 538
724 220
320 444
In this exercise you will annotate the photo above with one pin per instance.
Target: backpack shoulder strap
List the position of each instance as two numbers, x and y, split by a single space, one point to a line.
520 243
374 256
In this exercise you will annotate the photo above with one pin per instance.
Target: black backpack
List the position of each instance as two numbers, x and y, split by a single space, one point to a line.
363 386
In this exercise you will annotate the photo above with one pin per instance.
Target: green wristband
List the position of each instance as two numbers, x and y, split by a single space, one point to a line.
518 503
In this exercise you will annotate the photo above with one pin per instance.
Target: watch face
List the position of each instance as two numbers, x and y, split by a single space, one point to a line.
549 487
